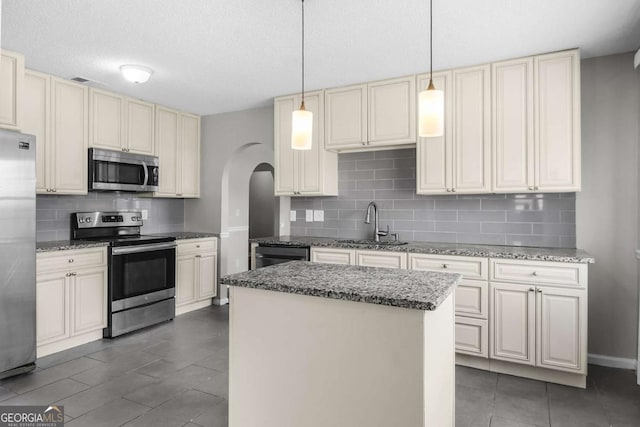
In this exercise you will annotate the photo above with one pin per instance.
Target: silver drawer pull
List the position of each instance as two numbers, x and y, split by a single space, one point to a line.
534 274
540 290
70 260
531 289
445 266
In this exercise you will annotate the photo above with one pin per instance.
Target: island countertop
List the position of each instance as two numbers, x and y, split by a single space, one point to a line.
419 290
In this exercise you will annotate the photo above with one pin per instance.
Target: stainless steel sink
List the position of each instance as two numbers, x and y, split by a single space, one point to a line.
372 242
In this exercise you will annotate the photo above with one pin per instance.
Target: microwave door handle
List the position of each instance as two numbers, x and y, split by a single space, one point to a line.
146 173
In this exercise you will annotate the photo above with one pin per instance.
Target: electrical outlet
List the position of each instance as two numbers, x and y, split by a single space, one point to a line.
318 216
145 214
292 216
309 215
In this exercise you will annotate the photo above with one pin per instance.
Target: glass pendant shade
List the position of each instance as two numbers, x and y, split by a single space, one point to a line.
301 129
431 113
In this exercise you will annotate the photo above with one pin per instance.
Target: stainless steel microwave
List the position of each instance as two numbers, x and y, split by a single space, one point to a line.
121 171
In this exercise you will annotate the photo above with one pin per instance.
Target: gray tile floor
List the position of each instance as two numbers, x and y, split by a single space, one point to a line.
175 374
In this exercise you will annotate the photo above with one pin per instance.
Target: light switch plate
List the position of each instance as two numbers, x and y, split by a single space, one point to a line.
309 215
292 215
318 216
145 214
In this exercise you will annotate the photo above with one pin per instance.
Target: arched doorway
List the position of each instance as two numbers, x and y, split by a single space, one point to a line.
263 205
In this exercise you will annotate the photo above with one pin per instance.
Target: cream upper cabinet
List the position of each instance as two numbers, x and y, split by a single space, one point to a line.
106 127
303 172
37 121
557 121
392 112
120 123
11 86
472 130
434 156
512 114
140 126
178 150
346 117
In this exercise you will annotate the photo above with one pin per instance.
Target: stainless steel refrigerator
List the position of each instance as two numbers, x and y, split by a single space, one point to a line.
17 253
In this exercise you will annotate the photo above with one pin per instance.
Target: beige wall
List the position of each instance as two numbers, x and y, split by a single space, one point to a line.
607 208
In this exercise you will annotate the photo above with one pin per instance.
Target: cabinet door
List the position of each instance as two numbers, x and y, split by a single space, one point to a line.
472 130
471 336
167 134
381 259
11 85
561 329
392 111
190 148
310 162
512 106
512 319
140 126
52 305
69 135
286 159
557 121
434 156
346 117
36 121
106 127
207 275
89 290
185 279
472 299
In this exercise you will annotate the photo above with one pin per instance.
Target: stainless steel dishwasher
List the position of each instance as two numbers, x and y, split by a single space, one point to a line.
277 254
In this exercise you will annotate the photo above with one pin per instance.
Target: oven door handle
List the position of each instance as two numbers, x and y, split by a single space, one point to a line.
142 248
146 173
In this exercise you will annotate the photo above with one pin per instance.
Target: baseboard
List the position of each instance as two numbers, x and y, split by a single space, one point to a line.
612 362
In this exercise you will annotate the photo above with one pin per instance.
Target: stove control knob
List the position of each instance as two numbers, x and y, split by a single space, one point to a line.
88 219
80 220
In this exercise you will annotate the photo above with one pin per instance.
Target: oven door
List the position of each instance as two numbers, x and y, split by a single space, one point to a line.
141 274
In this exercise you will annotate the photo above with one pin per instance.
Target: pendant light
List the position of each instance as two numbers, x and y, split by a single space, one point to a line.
301 119
431 100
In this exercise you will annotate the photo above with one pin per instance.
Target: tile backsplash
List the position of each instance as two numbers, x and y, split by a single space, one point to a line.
388 178
53 212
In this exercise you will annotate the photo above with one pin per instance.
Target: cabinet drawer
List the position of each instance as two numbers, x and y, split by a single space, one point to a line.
556 273
472 298
472 336
470 268
381 259
196 245
70 259
333 256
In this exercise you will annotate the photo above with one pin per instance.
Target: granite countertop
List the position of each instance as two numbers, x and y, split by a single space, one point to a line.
419 290
183 235
485 251
63 245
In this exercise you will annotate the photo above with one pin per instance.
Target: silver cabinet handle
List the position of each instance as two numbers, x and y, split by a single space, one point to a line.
531 187
539 290
531 289
445 266
70 260
534 273
537 188
453 190
364 142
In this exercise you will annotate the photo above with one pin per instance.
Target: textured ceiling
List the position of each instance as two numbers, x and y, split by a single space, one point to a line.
212 56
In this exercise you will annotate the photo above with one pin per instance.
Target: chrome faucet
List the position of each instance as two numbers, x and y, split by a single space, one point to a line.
367 220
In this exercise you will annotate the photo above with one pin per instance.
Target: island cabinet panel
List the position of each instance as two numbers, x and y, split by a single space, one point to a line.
333 256
71 298
381 259
296 336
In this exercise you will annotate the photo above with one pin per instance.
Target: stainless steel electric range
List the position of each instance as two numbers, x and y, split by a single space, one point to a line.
141 269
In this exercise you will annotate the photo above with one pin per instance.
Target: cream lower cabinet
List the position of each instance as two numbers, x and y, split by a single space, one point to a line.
196 273
11 86
333 256
71 298
311 172
177 137
541 321
56 112
471 298
365 258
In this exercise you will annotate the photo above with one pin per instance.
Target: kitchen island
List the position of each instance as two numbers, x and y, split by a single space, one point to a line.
318 344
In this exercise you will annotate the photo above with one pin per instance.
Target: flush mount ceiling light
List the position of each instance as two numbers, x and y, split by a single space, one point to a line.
136 73
301 119
431 100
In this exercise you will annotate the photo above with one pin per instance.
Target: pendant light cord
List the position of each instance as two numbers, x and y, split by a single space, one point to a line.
302 104
431 87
